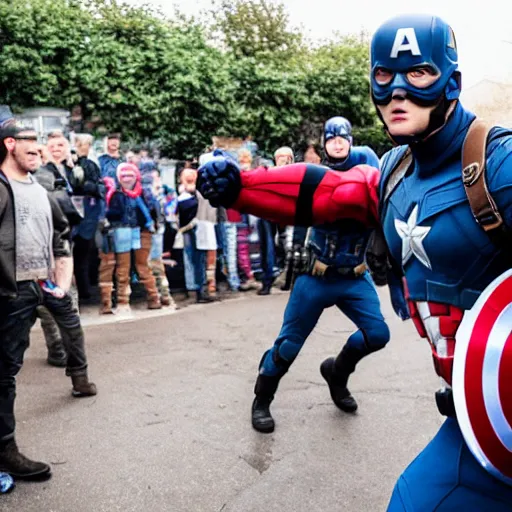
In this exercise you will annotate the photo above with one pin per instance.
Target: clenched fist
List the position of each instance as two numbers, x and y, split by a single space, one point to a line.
219 180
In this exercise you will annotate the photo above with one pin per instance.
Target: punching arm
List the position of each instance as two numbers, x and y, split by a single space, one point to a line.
298 194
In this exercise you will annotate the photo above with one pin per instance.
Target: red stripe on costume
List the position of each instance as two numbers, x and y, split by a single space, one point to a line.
272 194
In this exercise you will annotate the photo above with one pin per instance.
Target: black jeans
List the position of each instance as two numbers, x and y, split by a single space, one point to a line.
17 316
82 250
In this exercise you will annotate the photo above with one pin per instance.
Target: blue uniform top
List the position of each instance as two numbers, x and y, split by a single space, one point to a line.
445 255
343 243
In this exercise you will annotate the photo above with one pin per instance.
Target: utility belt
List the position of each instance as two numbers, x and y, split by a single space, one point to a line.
319 269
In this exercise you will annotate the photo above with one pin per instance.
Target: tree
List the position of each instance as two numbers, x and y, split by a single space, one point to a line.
255 28
268 102
38 40
136 72
338 85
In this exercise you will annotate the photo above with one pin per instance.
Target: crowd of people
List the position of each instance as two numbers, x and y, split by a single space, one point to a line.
128 227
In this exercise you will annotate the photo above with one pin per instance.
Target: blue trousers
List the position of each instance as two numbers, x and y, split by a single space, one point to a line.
355 297
266 234
445 477
194 261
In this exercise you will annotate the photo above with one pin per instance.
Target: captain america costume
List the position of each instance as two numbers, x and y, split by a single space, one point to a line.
448 261
336 277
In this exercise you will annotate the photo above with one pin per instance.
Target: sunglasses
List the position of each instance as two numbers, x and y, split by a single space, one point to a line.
32 138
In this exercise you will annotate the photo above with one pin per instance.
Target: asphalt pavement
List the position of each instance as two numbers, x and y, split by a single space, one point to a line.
170 428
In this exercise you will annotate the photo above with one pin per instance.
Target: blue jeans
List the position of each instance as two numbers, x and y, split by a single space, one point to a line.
194 261
266 233
231 251
445 477
356 297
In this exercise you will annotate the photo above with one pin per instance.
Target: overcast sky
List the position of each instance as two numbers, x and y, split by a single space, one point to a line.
481 31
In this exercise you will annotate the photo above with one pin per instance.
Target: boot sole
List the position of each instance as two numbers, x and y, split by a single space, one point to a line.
263 429
79 394
33 477
324 373
58 363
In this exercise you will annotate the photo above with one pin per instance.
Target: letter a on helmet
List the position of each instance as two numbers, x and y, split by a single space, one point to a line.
405 41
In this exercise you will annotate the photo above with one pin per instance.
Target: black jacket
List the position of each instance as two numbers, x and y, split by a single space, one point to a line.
61 237
91 184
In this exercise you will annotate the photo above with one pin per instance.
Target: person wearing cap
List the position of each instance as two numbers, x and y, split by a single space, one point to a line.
133 223
36 268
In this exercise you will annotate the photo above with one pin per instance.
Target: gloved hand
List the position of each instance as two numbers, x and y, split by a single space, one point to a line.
398 299
378 268
219 180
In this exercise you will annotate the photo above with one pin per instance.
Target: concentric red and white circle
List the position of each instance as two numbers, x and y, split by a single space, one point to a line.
482 378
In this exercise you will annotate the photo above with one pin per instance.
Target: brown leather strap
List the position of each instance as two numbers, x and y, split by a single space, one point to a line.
397 174
473 175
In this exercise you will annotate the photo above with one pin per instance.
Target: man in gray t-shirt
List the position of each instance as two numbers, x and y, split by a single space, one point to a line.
34 230
35 269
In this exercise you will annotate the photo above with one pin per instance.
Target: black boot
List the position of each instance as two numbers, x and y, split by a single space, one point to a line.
19 467
57 356
264 390
203 298
262 420
265 289
338 386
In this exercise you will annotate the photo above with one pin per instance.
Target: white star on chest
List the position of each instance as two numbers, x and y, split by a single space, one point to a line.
412 237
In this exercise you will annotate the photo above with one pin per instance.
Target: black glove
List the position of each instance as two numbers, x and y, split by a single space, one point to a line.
219 180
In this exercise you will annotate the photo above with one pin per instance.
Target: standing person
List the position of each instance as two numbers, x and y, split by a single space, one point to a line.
111 159
109 162
446 213
36 268
336 276
68 182
194 258
147 165
133 223
243 230
92 191
153 192
297 256
267 231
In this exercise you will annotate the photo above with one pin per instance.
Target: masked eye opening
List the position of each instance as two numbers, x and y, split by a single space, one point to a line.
383 76
422 76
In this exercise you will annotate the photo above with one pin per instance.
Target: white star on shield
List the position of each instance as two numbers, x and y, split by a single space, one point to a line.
412 237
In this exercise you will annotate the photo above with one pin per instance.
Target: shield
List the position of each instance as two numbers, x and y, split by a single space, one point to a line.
482 378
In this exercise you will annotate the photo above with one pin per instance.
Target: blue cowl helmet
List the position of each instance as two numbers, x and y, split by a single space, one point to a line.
408 42
337 127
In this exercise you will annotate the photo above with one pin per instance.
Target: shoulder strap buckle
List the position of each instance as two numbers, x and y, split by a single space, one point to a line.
480 200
